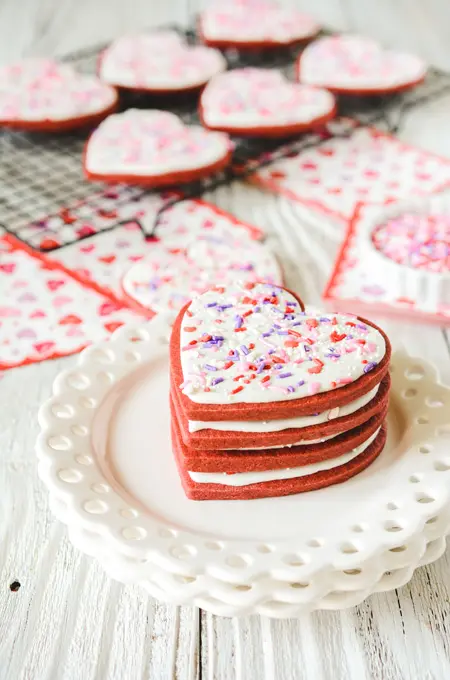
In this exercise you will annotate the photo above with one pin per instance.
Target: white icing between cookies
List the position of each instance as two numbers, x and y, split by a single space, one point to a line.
297 422
252 97
253 344
247 478
151 143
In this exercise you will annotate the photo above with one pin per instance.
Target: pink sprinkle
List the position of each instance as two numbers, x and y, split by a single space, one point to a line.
314 387
344 381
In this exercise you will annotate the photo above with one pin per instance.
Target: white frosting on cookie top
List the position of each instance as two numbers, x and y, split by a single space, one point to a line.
37 90
252 343
353 62
252 97
247 22
158 61
151 143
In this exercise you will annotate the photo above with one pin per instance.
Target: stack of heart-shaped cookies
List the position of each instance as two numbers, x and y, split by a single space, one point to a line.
270 400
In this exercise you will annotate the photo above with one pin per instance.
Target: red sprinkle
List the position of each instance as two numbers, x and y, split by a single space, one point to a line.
237 389
193 342
265 379
252 367
246 300
296 333
190 329
309 341
333 384
250 311
228 364
277 360
350 323
219 321
207 389
289 310
240 330
291 343
188 313
249 286
251 346
334 321
317 368
312 323
247 382
335 337
238 377
206 338
361 342
252 376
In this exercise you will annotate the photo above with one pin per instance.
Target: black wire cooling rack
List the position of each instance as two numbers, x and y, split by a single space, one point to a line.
46 203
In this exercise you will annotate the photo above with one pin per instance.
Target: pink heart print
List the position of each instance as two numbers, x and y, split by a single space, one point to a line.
41 91
352 63
150 146
254 22
160 61
262 101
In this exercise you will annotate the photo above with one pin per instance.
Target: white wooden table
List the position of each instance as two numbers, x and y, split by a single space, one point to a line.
68 621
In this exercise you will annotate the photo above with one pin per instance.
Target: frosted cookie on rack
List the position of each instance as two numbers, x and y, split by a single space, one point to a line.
153 148
170 276
44 95
254 24
261 102
253 374
158 62
408 243
351 64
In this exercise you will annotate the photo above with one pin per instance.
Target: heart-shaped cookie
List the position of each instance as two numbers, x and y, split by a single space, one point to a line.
251 352
261 102
250 24
169 277
159 61
40 94
358 65
153 148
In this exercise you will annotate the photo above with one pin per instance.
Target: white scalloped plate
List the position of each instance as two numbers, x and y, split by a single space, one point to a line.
105 453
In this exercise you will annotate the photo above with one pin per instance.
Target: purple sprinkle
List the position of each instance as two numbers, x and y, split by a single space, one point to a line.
324 319
306 348
261 367
271 351
301 383
297 323
218 337
282 333
289 317
275 325
222 308
266 302
350 337
291 388
209 367
257 309
369 366
216 381
362 326
266 335
239 321
211 304
245 350
285 375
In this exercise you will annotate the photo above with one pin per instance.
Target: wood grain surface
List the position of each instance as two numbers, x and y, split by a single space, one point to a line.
67 620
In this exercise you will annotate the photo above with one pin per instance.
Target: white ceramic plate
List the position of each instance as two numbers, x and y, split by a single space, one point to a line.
105 455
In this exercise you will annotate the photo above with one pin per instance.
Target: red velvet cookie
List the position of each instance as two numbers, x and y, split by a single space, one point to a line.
261 102
251 353
247 460
154 149
254 24
351 64
158 62
43 95
285 486
283 432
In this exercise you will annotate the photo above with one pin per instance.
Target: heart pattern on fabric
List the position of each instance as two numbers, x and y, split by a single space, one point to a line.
253 343
247 22
158 60
264 100
357 64
152 145
46 92
69 322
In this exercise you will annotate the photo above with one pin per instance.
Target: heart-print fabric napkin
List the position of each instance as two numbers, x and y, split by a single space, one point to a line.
368 166
44 312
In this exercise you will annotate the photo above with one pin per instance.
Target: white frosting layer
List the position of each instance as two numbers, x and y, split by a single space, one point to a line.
255 345
252 97
256 22
247 478
37 90
353 62
158 60
283 423
151 143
